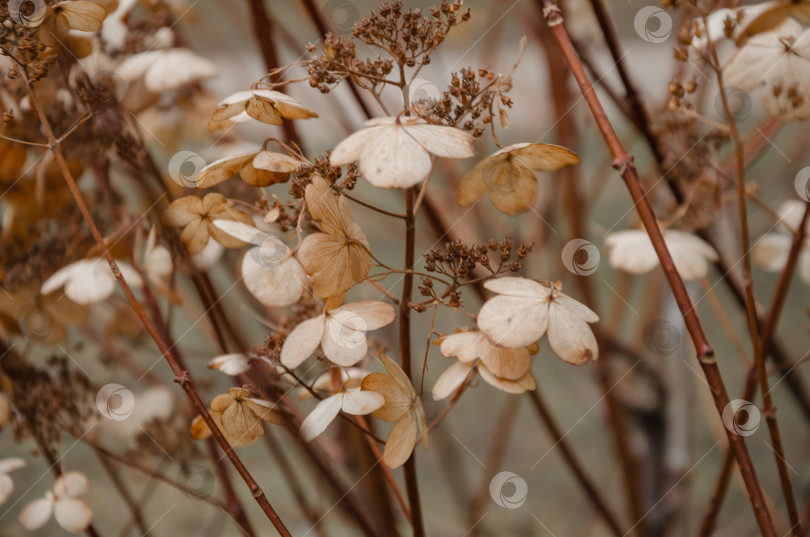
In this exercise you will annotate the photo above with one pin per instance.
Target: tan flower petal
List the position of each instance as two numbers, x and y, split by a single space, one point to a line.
82 15
321 416
182 212
452 377
526 383
72 514
222 169
302 341
401 441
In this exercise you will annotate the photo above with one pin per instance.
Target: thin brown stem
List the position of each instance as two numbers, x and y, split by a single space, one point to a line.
181 376
705 354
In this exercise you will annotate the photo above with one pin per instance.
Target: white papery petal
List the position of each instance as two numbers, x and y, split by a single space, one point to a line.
522 287
512 321
302 341
281 285
451 379
72 514
71 484
321 416
360 403
36 514
230 364
772 250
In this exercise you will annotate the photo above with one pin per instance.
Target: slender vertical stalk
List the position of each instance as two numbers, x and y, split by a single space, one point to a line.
411 485
705 354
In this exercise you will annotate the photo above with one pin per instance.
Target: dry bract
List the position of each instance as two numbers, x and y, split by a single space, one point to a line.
507 369
267 106
89 281
269 270
508 175
239 416
394 152
8 465
196 216
75 15
162 70
402 407
778 64
771 251
350 399
71 513
340 256
262 168
632 251
340 332
525 310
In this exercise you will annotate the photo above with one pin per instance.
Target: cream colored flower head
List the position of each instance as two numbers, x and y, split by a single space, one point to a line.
525 310
777 63
394 152
261 168
167 69
338 257
341 333
63 503
269 270
504 368
267 106
771 252
402 407
508 175
239 416
63 17
197 215
89 281
632 251
350 399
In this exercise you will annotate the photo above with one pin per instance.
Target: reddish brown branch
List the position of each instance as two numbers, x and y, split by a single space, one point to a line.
624 164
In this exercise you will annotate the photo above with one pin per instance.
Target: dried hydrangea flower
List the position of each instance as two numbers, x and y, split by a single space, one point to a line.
162 70
402 407
89 281
338 257
262 168
196 216
340 332
71 513
632 251
771 14
8 465
394 152
525 310
239 416
66 16
508 175
772 250
269 270
350 399
263 105
778 64
504 368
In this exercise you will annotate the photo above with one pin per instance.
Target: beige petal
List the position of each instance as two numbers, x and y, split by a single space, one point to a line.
508 364
7 487
302 341
543 157
328 208
36 514
472 188
449 381
397 400
261 178
286 105
280 285
399 375
360 403
512 321
276 162
182 212
222 169
241 423
82 15
466 346
230 364
71 484
328 261
570 337
394 159
631 251
375 314
512 189
441 140
72 514
526 383
321 416
350 149
263 110
522 287
199 430
344 339
195 236
401 441
264 410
